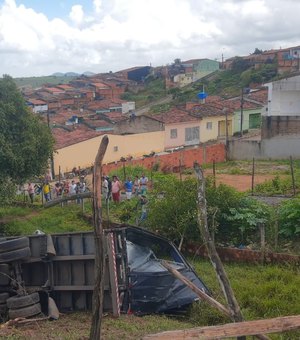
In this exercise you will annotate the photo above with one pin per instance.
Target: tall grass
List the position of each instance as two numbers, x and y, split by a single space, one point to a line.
53 220
262 291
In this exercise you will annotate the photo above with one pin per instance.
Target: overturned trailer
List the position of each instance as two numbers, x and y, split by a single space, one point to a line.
62 266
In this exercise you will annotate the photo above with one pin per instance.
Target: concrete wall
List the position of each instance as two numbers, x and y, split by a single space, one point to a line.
284 97
139 124
280 147
280 126
83 154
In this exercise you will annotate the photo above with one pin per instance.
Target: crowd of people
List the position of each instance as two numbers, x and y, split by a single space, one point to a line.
138 187
111 189
57 190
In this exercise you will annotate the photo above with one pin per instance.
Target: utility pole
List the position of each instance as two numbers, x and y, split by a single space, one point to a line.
226 133
242 113
51 157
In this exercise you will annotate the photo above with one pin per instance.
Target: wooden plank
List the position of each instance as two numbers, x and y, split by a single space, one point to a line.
56 201
113 277
245 328
197 290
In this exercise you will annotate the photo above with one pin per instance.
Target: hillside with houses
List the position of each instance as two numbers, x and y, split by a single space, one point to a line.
248 104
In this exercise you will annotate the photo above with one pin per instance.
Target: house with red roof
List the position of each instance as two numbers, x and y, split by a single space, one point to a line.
37 105
190 125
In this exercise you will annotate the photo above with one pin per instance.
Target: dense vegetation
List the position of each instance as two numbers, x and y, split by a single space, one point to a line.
234 217
153 89
26 142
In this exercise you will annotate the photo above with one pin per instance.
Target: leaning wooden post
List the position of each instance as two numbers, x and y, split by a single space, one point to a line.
252 178
214 173
236 314
293 176
95 332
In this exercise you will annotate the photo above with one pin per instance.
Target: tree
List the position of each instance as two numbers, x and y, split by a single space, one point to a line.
257 51
239 64
26 142
173 210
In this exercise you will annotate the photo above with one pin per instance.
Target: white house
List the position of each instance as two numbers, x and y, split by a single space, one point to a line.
127 107
284 97
37 106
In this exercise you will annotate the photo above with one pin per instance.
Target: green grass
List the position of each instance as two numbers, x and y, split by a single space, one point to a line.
52 220
14 211
39 81
262 291
153 90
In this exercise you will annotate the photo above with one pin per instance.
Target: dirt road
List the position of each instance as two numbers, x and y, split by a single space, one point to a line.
241 182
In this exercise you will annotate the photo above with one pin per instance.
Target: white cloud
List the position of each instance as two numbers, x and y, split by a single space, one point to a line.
97 5
77 14
121 33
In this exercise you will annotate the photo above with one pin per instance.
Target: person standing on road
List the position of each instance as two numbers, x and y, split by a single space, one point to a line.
115 189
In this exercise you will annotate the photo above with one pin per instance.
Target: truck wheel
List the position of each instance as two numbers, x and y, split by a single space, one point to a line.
3 308
16 302
15 255
24 312
4 274
4 297
14 244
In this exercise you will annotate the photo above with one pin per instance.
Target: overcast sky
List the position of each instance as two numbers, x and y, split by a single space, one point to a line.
40 37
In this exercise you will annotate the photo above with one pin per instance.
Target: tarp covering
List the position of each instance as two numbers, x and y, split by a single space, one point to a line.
152 288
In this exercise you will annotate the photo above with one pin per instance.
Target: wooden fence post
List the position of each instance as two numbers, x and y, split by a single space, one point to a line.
214 173
95 331
252 179
236 314
293 176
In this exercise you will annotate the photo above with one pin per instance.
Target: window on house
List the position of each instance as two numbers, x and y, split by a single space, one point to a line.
116 148
192 134
209 126
173 133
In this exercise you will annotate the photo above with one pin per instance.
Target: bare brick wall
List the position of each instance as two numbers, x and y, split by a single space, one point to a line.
244 255
171 161
280 125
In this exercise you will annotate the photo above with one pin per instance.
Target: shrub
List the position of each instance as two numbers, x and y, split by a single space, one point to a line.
247 216
289 218
275 186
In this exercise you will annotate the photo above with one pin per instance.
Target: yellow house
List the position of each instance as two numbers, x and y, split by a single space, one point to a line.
83 153
177 128
200 124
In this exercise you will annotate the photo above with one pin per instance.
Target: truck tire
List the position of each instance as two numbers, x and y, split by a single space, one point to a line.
16 302
3 308
15 255
24 312
4 274
14 244
4 297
